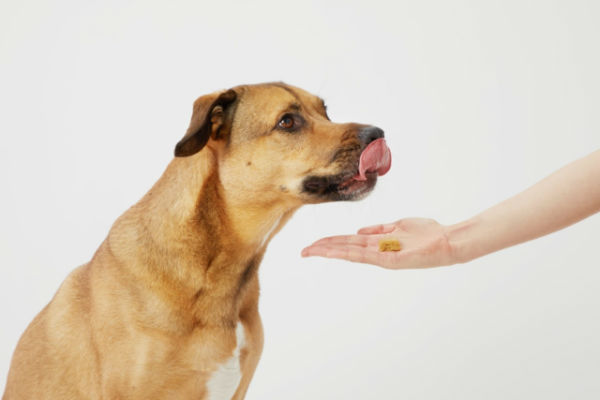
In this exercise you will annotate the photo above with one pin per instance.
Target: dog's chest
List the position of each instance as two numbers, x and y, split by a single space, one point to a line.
224 381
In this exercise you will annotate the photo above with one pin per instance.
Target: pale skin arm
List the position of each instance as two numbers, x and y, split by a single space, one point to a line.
567 196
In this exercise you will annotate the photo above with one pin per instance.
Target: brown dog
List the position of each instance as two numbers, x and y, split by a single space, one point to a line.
168 306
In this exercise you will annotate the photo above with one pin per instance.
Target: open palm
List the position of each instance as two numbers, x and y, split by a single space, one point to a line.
424 244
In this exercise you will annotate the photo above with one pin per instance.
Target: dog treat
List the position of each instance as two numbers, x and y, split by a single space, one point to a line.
389 244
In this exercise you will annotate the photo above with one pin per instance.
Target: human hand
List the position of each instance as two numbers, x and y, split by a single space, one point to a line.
424 244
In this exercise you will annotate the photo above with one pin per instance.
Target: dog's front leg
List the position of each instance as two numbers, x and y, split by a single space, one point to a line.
251 352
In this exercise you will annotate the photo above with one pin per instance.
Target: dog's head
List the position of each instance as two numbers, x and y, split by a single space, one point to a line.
275 140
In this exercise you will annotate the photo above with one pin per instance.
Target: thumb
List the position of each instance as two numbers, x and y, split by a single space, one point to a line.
376 229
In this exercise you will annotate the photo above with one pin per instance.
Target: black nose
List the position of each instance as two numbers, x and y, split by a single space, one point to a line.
370 133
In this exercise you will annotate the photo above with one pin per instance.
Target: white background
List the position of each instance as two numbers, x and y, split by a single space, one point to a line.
479 99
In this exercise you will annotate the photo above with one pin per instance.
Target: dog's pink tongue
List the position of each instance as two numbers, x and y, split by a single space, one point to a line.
375 158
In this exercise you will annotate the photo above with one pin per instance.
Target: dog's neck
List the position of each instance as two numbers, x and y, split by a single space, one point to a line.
194 198
195 238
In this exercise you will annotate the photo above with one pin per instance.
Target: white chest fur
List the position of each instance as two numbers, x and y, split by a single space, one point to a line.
224 381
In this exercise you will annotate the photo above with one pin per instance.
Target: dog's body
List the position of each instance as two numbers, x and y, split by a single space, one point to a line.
168 306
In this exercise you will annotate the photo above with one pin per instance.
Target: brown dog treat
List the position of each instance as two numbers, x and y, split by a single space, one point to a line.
389 244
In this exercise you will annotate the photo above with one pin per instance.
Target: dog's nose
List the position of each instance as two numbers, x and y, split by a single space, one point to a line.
370 133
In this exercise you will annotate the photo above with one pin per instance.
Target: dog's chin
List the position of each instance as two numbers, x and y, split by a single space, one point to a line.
337 187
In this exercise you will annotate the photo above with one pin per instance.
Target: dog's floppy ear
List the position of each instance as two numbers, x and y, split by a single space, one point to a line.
207 118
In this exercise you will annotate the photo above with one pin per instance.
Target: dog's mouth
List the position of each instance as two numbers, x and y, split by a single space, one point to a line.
339 187
356 182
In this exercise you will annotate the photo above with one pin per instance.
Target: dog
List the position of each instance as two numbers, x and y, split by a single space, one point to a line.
167 308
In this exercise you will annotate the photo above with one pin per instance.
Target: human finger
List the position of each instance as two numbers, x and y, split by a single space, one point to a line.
356 240
377 229
351 253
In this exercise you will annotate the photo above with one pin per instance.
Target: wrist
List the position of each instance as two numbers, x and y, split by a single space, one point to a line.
463 247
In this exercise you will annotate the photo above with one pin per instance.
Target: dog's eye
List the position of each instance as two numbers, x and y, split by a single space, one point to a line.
287 122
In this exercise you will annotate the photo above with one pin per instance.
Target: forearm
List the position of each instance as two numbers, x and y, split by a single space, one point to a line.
563 198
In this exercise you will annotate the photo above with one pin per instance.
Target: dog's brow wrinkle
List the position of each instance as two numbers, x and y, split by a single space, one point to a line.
287 89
